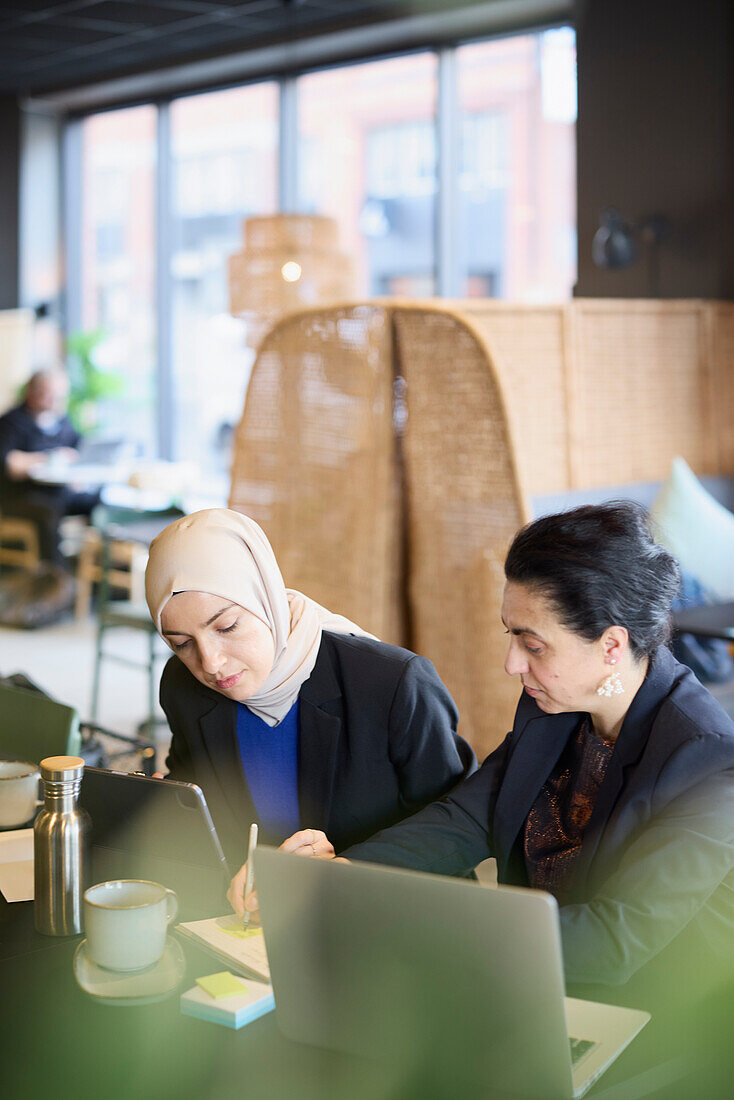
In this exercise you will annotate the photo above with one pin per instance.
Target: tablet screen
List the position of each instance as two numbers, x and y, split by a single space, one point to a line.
155 829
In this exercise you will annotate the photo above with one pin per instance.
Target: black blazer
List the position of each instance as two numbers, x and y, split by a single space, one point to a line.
20 432
659 850
377 741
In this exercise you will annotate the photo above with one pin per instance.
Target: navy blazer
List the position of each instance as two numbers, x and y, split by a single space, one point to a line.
377 740
658 853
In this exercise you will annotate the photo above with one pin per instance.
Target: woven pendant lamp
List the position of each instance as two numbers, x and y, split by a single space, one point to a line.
289 262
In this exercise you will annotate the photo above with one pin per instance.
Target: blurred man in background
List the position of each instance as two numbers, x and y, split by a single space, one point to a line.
31 435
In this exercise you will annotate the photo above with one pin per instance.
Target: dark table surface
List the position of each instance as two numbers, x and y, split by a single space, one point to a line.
57 1042
712 621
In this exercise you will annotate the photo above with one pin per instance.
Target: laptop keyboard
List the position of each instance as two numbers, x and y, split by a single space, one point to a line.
580 1047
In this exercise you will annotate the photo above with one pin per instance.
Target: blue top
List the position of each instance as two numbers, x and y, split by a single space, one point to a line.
270 760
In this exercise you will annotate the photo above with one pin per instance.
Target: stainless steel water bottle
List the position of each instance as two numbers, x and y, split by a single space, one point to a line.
60 849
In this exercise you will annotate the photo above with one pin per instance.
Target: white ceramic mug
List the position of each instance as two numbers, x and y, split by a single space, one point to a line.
19 783
126 921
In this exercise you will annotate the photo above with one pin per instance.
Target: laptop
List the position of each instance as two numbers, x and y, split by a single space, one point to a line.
155 829
458 987
101 452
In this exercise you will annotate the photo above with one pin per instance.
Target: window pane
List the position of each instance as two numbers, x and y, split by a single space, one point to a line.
518 166
224 147
371 164
118 269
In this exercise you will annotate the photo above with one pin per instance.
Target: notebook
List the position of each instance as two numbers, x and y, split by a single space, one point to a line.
458 988
16 865
223 937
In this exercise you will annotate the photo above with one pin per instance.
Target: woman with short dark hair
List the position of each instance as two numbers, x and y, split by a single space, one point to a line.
599 566
615 788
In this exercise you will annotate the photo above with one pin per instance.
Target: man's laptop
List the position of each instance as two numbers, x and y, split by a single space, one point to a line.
101 452
459 988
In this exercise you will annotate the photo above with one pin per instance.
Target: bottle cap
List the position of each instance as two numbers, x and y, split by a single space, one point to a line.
56 769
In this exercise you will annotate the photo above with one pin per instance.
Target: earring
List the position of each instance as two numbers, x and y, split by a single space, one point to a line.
612 685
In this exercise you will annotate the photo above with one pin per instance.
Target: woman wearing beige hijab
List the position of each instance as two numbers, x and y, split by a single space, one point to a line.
283 713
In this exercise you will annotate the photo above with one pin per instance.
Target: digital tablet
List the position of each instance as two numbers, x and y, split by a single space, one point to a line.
156 829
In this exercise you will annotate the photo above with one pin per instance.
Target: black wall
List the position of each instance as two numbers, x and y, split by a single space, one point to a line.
9 184
656 136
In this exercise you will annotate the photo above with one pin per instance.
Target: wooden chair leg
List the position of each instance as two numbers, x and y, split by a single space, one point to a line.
83 600
88 571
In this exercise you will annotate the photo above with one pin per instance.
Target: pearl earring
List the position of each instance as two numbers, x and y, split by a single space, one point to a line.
612 685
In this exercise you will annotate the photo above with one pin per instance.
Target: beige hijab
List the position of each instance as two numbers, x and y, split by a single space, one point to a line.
226 554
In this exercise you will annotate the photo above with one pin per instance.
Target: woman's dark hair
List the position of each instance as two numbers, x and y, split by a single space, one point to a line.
600 566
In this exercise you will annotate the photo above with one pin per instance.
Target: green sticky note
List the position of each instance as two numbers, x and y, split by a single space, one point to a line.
221 985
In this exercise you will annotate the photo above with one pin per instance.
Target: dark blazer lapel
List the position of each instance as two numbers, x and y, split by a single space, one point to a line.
219 736
320 729
538 748
628 749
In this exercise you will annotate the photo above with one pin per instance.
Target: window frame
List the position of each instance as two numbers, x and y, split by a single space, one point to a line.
447 123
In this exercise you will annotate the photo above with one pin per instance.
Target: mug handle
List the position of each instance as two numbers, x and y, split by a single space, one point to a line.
171 905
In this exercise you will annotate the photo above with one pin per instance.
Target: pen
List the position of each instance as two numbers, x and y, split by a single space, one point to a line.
249 880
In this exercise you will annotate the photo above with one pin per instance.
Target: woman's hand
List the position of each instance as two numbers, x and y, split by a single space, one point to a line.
309 842
312 843
236 895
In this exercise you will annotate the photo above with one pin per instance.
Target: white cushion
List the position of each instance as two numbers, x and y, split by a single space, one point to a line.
696 529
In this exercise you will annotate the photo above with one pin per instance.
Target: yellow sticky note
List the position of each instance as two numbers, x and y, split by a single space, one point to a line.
232 926
239 933
221 985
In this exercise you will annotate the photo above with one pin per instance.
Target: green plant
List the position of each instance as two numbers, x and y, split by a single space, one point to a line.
89 382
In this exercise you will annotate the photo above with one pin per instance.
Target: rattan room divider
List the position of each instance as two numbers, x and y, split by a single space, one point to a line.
389 449
608 391
315 462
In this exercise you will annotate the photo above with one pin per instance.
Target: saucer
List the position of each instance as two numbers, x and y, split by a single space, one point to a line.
16 828
139 987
